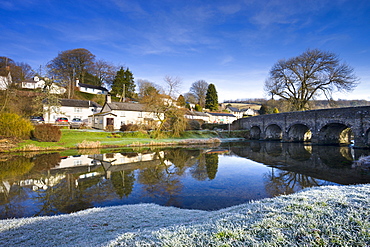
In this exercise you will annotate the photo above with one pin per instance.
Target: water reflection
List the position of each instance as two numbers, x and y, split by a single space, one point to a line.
198 178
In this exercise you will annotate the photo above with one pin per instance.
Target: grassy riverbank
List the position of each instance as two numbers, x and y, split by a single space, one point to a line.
101 139
320 216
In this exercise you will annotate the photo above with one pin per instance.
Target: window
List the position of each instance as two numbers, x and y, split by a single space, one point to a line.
77 109
140 114
77 162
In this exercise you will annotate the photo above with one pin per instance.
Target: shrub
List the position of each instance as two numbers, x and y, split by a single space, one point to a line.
194 124
135 127
47 133
135 134
12 125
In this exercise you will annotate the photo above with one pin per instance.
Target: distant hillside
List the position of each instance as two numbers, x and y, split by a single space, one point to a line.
281 104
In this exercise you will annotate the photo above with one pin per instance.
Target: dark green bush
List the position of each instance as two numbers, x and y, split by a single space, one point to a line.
47 133
13 125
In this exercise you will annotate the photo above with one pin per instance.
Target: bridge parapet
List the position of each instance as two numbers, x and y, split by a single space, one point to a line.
327 126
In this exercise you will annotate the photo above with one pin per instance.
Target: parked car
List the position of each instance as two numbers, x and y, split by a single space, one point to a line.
37 120
61 120
75 123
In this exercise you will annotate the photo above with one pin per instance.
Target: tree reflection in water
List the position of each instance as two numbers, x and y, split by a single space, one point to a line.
280 182
199 178
13 194
163 180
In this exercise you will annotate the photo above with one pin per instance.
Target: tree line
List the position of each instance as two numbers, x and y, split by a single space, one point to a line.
295 81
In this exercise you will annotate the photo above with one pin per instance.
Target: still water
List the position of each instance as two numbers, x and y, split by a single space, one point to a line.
206 178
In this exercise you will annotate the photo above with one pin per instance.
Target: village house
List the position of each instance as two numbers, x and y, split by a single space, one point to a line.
37 83
5 81
117 114
240 113
73 108
86 88
221 118
196 115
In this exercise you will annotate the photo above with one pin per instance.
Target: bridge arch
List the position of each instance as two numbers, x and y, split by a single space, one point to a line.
273 132
299 133
367 137
335 133
255 133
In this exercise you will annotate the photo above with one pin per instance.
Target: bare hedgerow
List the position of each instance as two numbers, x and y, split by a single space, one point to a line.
47 133
88 144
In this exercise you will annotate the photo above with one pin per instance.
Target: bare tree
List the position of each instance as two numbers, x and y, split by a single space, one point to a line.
300 79
199 90
189 97
145 87
173 85
105 72
71 65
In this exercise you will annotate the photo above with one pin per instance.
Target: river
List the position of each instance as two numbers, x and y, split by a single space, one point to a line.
196 177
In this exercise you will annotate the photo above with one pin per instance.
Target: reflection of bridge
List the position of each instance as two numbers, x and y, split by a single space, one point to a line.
327 126
330 163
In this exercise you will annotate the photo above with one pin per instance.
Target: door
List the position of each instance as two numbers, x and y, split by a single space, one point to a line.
110 122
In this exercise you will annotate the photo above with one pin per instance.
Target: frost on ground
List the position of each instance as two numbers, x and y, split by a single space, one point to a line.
323 216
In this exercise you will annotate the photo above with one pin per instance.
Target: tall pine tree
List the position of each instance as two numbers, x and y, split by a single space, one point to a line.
124 79
211 98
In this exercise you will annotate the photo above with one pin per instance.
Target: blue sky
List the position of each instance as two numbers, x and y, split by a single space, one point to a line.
232 44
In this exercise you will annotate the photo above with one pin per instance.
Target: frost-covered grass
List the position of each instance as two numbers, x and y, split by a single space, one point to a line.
322 216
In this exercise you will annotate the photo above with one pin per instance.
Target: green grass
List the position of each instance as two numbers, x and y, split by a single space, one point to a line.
71 137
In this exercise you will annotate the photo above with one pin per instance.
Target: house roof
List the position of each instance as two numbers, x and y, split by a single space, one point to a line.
78 103
196 113
92 86
234 109
124 106
219 114
103 114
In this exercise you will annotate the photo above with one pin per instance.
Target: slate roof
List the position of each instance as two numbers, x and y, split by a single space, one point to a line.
104 114
234 109
196 113
221 114
92 86
78 103
124 106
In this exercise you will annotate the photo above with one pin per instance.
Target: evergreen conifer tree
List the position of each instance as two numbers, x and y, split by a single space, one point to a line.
211 98
124 80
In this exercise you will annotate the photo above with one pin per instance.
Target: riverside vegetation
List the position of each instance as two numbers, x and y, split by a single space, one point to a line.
85 138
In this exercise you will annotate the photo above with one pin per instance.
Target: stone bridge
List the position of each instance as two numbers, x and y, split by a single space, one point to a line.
325 126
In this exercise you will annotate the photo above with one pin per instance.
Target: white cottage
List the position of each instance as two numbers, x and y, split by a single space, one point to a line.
74 108
196 115
86 88
5 81
221 118
37 83
117 114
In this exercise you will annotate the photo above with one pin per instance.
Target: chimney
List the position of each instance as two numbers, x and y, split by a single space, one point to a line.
108 99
